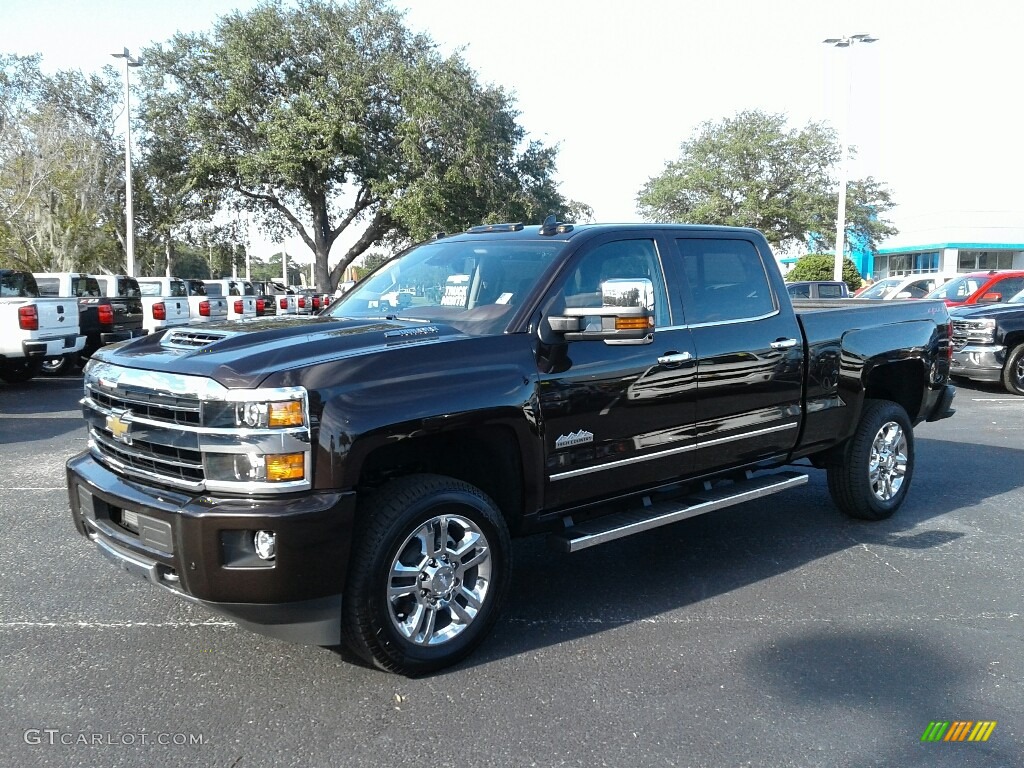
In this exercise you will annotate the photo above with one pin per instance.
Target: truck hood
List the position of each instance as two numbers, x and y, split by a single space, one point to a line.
241 353
983 311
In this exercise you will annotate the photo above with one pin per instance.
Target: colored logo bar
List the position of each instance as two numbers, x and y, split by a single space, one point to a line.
958 730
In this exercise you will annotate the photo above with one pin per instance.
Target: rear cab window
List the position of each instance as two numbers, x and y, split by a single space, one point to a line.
725 281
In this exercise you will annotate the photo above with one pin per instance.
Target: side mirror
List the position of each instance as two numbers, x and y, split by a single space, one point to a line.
626 313
990 298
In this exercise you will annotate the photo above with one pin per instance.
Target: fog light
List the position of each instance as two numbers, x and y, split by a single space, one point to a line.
265 543
286 466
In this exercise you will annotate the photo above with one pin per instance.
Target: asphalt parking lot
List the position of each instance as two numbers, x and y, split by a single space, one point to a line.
773 634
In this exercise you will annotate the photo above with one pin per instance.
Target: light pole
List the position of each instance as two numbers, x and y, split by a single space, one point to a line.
844 42
128 212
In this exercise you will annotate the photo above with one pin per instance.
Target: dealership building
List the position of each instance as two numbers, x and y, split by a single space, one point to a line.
948 243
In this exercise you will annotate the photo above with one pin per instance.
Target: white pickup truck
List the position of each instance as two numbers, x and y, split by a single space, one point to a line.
159 311
240 295
203 307
33 328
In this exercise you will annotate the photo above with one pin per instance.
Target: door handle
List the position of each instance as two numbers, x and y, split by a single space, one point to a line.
784 343
673 358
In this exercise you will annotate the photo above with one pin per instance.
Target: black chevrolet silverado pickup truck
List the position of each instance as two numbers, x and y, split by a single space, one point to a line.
355 477
988 343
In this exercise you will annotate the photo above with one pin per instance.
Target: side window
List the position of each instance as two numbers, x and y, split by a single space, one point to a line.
799 291
1011 286
622 259
726 281
830 292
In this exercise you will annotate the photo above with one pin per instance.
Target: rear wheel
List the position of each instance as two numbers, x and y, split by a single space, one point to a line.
429 569
1013 371
869 478
54 366
17 371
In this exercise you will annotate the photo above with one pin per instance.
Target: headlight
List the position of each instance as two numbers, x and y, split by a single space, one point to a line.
280 408
264 415
255 467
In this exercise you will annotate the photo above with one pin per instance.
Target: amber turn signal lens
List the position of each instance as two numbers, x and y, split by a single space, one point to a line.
631 323
285 466
286 414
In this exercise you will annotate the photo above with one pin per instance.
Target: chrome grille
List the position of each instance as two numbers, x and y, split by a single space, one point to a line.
151 459
155 406
171 429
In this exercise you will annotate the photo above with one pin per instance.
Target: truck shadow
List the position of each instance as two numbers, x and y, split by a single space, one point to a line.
555 598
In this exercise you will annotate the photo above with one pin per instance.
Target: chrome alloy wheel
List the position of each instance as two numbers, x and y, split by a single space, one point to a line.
439 580
888 463
1018 373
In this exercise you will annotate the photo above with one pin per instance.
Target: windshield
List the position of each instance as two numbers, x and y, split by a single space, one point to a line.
881 289
958 289
470 285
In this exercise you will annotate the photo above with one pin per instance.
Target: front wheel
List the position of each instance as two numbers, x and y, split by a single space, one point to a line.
870 476
1013 371
429 569
20 370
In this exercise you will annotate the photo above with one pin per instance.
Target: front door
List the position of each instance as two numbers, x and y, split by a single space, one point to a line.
616 415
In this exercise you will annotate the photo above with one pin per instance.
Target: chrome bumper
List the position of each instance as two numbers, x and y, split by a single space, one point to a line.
980 363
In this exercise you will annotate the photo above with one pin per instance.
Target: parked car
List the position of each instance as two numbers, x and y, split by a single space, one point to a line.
240 295
34 328
159 310
902 287
357 476
102 319
980 288
988 343
818 289
204 308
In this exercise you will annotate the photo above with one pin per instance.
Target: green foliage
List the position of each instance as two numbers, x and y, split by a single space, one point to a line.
59 169
751 171
318 116
821 266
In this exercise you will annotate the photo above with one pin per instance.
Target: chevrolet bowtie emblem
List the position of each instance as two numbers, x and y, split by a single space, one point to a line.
119 422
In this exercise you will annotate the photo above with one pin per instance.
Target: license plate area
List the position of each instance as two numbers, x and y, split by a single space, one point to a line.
148 531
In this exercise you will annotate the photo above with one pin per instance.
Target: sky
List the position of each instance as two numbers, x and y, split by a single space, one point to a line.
934 106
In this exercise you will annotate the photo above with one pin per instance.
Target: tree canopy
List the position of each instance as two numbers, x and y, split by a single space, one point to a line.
59 207
751 170
326 118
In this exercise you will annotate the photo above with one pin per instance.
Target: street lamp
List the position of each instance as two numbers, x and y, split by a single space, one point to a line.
844 42
129 214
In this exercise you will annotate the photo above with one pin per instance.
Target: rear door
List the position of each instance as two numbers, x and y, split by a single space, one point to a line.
749 350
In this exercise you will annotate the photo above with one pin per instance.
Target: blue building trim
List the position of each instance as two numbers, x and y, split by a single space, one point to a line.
958 246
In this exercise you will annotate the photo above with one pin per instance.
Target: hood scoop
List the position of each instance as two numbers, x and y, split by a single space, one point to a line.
190 338
406 335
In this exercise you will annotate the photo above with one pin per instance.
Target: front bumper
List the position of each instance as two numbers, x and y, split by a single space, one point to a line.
979 363
200 548
56 346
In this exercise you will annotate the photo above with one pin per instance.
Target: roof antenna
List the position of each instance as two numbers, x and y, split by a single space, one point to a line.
550 225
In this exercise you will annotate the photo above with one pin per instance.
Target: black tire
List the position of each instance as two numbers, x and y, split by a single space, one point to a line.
1013 371
21 370
869 477
424 618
